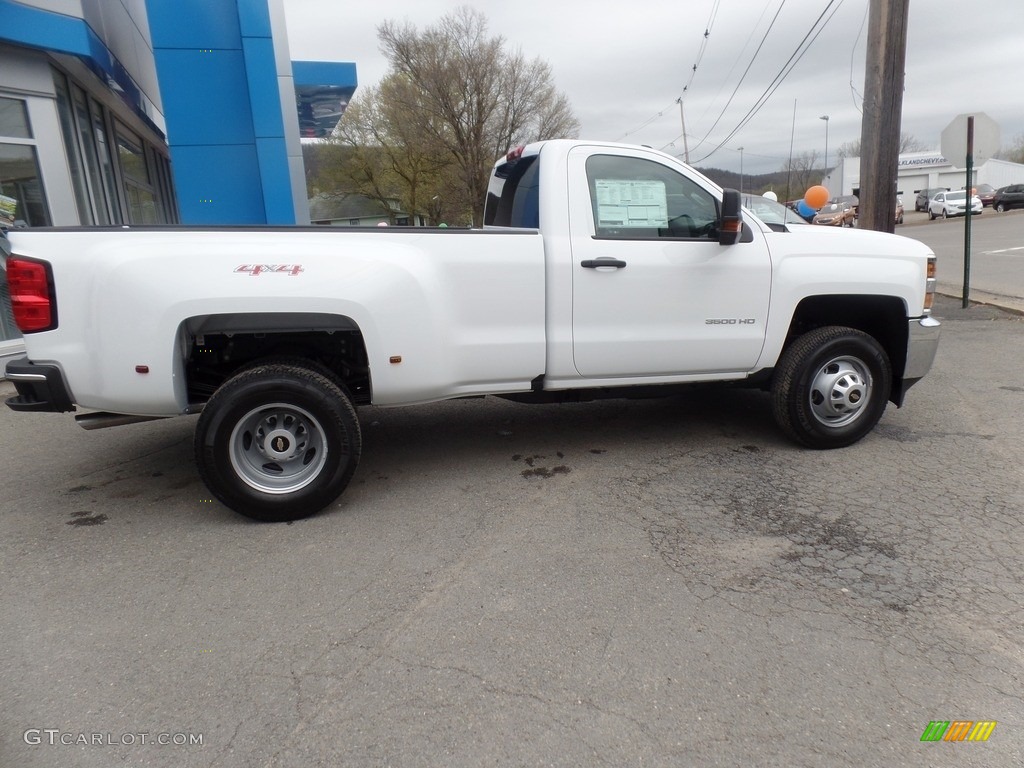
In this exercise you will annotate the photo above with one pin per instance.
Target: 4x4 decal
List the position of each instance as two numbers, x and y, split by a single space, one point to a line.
259 269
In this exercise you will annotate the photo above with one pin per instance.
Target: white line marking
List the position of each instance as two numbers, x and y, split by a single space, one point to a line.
1005 250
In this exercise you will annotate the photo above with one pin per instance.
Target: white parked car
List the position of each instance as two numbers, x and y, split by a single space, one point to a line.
946 204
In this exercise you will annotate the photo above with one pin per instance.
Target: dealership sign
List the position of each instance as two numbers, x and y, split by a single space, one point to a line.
918 162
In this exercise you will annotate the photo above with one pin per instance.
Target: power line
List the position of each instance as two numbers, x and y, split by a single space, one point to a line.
700 55
742 78
788 67
853 51
736 61
646 122
703 46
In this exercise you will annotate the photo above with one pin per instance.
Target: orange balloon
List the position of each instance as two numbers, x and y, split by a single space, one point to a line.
816 196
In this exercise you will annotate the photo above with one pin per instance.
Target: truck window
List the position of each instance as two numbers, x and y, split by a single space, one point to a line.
638 199
516 203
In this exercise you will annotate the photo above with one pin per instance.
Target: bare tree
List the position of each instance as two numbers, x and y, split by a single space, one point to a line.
1015 152
801 173
469 98
377 153
908 143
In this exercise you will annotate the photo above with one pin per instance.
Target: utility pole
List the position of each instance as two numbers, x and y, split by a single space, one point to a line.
741 170
883 106
686 146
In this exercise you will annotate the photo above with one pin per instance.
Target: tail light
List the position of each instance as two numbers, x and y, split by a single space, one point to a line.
929 285
33 301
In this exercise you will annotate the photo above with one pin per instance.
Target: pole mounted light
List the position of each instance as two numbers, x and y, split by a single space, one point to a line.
825 118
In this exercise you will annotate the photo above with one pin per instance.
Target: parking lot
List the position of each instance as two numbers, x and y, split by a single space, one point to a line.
660 582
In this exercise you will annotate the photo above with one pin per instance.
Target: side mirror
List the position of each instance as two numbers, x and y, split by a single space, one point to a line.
730 227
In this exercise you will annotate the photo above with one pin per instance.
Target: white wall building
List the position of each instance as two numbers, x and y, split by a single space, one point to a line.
925 170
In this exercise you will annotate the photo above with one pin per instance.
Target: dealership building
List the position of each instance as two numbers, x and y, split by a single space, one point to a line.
945 168
117 112
926 170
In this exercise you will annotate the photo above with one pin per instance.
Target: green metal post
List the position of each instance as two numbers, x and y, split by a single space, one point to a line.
967 214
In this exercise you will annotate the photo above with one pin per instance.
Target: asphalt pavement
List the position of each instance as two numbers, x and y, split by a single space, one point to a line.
996 249
621 583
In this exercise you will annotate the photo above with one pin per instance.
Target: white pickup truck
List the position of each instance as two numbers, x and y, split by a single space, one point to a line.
602 270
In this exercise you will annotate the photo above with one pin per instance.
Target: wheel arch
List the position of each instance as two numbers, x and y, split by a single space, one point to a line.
212 348
882 317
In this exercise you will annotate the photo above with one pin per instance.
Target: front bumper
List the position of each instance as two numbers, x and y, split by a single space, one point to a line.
922 343
40 387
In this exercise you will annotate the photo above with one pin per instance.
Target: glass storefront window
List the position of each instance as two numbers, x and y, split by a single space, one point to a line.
67 127
133 161
88 143
103 153
142 202
22 202
116 174
14 119
8 330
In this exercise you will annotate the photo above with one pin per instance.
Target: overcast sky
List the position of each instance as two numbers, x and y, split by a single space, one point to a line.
623 65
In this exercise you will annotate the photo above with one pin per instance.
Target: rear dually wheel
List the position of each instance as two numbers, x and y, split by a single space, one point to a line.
278 442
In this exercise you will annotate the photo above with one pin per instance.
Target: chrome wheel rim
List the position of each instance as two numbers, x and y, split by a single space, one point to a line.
840 390
278 448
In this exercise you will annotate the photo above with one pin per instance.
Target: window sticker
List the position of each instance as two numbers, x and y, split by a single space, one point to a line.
630 203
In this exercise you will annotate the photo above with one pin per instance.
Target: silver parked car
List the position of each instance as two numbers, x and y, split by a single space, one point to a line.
946 204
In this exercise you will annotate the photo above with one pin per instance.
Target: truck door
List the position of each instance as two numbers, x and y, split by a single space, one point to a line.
653 293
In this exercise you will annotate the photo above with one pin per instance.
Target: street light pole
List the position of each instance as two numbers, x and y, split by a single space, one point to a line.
825 118
741 170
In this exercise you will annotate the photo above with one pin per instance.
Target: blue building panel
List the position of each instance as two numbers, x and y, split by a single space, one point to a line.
209 193
318 73
276 181
264 95
48 31
194 24
254 18
206 96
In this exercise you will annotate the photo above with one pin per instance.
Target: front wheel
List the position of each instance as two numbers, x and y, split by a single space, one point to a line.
831 387
944 214
278 442
1000 208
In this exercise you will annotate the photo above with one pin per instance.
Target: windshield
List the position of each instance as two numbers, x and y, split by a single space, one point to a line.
956 195
771 212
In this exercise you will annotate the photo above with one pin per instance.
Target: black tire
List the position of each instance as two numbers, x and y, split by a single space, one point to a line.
944 214
1000 208
317 448
931 215
831 387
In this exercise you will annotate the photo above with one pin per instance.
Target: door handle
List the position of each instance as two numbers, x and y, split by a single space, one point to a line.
595 263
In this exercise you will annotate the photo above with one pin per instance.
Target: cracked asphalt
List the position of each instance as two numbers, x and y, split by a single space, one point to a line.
658 582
